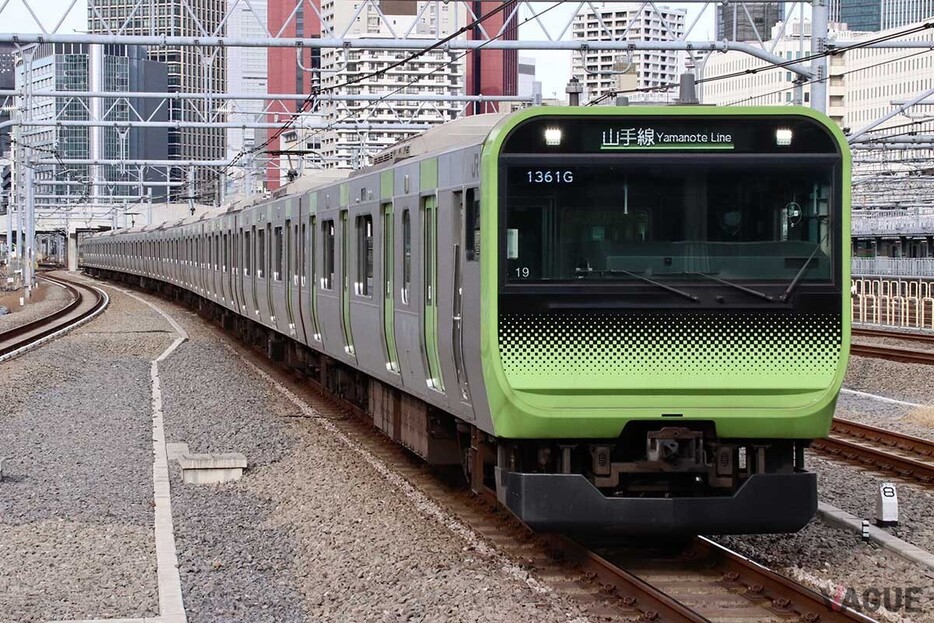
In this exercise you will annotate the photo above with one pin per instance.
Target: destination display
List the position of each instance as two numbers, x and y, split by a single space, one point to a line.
598 134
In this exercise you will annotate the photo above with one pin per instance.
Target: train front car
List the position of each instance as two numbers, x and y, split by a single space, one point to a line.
668 289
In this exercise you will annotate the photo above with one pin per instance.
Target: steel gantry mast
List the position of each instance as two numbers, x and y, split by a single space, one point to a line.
546 26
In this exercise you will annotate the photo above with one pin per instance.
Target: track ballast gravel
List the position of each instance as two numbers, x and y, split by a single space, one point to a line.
311 533
76 539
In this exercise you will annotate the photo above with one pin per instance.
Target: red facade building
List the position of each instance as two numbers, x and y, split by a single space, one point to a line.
288 69
493 72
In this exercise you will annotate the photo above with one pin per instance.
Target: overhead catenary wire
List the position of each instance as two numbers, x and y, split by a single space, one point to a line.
832 51
312 96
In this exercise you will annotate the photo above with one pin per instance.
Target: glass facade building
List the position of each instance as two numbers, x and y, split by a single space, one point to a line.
190 70
873 15
83 67
734 24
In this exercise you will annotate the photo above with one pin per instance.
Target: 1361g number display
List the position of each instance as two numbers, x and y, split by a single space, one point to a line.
548 176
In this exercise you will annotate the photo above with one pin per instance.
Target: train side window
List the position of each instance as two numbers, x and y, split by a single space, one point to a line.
278 250
247 254
406 255
365 255
260 252
473 225
226 253
327 255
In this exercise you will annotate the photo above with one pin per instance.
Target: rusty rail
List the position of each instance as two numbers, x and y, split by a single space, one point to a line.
892 334
85 302
891 353
904 455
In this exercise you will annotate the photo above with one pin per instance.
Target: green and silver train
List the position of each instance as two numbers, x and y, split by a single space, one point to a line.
624 320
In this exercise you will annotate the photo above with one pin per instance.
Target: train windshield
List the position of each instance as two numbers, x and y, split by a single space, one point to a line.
629 222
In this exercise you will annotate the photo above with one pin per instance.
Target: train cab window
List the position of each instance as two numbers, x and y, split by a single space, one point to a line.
260 252
406 255
327 255
364 285
277 252
472 246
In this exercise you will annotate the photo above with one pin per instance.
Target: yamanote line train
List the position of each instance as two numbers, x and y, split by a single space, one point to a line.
624 320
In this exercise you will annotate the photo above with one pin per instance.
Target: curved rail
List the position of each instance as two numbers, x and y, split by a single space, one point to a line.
703 582
86 302
892 334
892 353
904 455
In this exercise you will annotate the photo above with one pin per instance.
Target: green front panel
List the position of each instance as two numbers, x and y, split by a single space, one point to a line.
345 281
389 329
313 289
386 185
430 255
428 175
586 375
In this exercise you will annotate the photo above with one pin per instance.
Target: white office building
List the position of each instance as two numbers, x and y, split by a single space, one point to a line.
246 74
862 83
371 72
602 72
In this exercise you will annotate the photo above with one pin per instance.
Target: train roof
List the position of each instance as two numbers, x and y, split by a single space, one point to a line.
470 130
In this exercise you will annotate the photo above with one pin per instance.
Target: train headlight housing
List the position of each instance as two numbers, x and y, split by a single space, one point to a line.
553 136
783 137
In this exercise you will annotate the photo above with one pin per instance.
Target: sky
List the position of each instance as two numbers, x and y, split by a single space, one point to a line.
553 67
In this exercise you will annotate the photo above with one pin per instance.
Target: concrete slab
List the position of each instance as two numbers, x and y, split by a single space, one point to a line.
842 519
211 468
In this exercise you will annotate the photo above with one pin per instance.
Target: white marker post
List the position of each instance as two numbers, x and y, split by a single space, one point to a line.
887 505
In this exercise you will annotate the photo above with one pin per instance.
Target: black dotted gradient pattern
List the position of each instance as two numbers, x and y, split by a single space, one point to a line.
537 346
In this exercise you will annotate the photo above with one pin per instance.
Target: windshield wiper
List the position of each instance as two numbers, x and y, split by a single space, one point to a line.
761 295
794 282
687 295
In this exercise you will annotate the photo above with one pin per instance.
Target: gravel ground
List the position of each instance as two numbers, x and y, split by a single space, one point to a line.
917 421
46 299
827 558
76 538
311 533
903 381
855 490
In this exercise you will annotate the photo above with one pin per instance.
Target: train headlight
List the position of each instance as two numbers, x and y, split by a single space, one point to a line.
783 137
553 136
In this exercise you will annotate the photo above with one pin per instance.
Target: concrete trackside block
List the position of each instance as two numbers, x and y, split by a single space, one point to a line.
842 519
201 469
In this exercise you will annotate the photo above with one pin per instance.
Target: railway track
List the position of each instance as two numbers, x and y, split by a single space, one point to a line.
906 456
85 302
704 582
892 353
701 582
925 338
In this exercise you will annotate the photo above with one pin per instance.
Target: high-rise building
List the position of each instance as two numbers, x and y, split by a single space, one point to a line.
247 73
748 22
85 67
290 71
374 73
492 72
861 84
7 82
601 71
190 70
873 15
